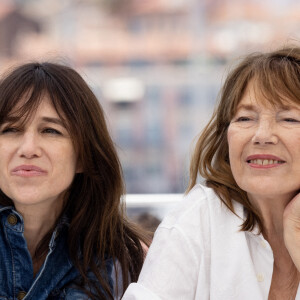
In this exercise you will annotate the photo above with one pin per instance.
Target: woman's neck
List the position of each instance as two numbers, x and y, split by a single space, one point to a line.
285 278
38 220
271 211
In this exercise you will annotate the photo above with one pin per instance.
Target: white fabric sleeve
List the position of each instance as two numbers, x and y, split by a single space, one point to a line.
170 270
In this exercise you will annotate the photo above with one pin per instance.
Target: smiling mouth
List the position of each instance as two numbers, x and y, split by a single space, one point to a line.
265 162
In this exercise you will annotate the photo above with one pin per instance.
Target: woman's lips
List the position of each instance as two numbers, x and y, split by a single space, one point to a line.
28 171
264 161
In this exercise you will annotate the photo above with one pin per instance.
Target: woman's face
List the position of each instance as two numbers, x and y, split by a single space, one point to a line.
264 147
37 160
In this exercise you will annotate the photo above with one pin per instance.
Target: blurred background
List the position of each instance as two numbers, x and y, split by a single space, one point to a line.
155 65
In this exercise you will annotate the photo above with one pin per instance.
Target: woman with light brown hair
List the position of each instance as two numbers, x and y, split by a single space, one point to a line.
238 235
63 232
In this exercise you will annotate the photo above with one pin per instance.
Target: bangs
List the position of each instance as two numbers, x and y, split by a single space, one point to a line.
276 82
21 94
21 108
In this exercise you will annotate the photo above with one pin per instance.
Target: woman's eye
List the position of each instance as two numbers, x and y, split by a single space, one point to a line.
243 119
9 130
291 120
51 131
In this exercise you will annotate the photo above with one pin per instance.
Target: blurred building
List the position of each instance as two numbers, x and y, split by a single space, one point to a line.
156 65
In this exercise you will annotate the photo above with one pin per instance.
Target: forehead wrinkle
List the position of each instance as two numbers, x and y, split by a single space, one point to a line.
280 107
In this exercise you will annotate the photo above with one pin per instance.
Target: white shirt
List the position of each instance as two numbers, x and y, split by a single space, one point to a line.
198 252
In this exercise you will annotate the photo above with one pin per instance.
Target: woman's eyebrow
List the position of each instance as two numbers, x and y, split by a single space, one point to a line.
246 107
288 107
53 120
11 119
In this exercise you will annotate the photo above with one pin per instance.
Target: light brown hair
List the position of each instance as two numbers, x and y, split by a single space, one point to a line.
276 76
98 226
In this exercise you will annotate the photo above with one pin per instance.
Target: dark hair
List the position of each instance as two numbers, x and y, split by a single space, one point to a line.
276 77
98 226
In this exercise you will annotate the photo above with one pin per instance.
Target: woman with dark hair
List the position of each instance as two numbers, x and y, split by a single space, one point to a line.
63 232
238 236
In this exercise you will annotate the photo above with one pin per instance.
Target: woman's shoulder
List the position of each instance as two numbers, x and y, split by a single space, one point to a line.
201 209
193 205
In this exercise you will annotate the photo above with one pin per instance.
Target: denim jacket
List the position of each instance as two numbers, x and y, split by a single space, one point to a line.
56 277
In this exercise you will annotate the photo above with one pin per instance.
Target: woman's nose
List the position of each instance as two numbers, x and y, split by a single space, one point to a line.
265 133
29 145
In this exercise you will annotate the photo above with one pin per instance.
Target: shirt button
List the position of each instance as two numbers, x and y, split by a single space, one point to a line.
12 219
21 295
260 277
